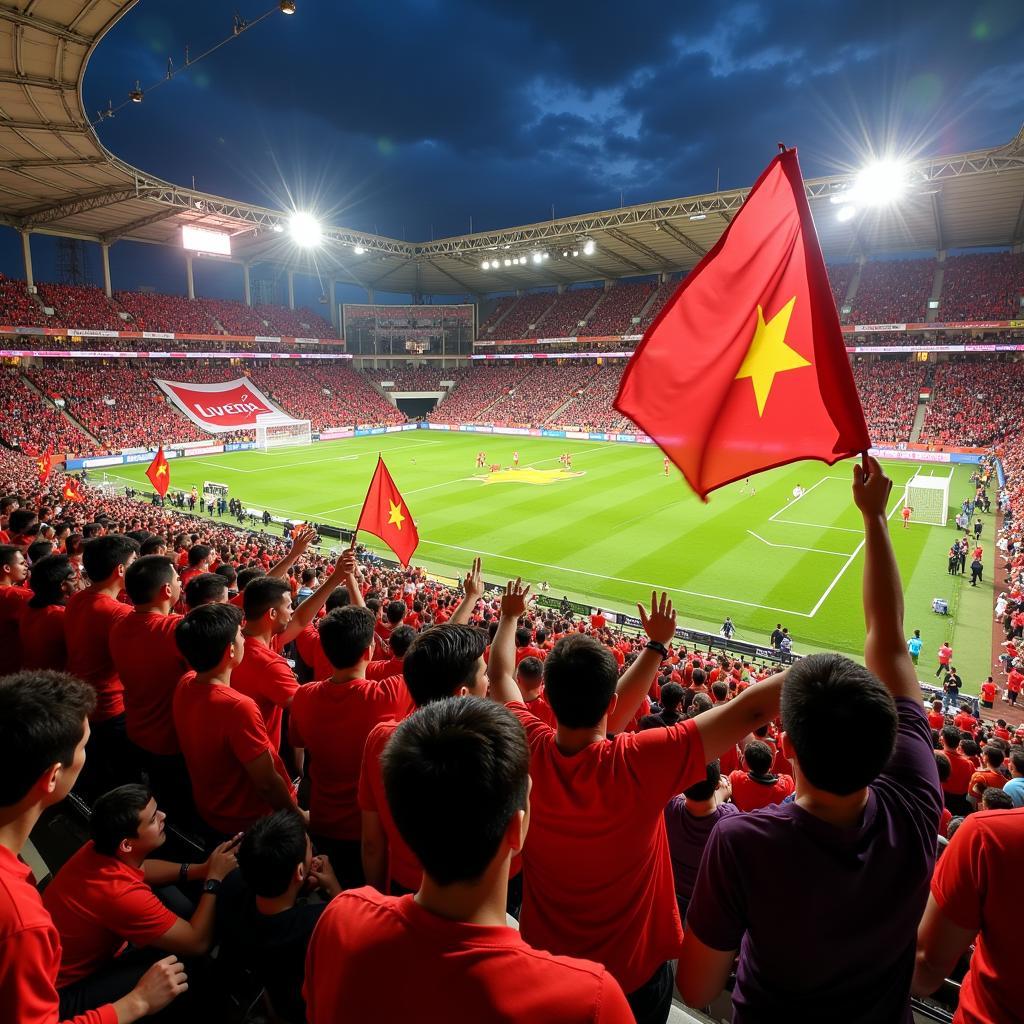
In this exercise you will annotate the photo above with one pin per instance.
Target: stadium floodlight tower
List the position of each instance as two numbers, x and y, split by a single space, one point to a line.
879 184
928 497
305 229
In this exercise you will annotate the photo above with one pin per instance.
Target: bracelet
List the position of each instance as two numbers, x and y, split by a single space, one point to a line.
183 873
657 645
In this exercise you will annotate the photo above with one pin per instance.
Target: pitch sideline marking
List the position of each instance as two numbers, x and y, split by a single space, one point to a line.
797 547
313 462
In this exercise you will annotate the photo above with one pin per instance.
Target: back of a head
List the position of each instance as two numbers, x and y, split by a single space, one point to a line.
23 523
115 816
758 757
699 677
270 851
705 789
401 640
345 634
42 721
720 690
993 756
1017 758
701 703
671 697
48 577
197 554
950 737
395 612
206 588
153 544
442 659
994 799
827 695
38 550
531 671
944 768
246 576
262 594
205 633
455 773
102 555
523 637
580 676
146 576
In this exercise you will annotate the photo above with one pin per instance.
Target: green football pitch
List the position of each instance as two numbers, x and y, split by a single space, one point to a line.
617 526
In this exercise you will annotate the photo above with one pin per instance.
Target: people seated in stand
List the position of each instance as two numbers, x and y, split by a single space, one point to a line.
755 785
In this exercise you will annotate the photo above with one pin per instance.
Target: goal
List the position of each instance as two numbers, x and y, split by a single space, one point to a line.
276 430
928 496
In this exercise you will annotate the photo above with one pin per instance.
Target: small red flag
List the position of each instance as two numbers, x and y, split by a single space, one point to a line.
159 473
72 490
44 464
387 516
745 368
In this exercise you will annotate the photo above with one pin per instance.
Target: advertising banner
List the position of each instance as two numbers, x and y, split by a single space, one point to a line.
219 408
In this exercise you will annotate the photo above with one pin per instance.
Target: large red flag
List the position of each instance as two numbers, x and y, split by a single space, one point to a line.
72 490
386 515
159 473
44 464
745 368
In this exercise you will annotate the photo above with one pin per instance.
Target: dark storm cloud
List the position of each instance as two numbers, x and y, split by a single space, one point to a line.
413 116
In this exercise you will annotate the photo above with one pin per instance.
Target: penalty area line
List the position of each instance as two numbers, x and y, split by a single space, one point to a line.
798 547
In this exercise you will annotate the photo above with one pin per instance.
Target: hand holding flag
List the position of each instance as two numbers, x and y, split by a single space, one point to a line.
745 368
386 515
44 464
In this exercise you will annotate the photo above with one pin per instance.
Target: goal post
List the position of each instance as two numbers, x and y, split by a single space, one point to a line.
928 497
276 430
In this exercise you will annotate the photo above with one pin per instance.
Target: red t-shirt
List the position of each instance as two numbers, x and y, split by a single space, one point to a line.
267 677
600 876
472 972
1014 680
88 619
378 670
98 904
311 651
540 707
1001 734
945 655
945 817
12 604
972 879
748 794
597 622
960 773
984 779
965 722
332 721
41 632
403 865
30 953
936 719
220 731
149 664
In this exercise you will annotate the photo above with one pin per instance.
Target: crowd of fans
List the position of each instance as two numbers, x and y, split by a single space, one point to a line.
973 402
618 307
18 308
82 306
570 309
541 391
889 393
892 291
471 398
525 319
839 277
29 422
982 286
414 378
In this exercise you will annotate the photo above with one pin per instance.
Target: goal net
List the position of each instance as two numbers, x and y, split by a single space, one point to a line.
928 497
275 430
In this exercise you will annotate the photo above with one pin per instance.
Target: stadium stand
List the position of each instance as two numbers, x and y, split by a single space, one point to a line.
661 295
522 319
618 306
30 421
500 309
480 388
572 306
973 403
82 306
982 286
892 291
152 311
889 393
839 277
539 393
414 378
18 308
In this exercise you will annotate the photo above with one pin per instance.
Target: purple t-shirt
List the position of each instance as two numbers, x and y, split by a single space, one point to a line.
687 837
825 918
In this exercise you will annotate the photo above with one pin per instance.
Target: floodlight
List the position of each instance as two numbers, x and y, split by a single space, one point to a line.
698 216
588 247
278 229
358 250
486 265
575 252
882 182
305 229
287 6
846 213
565 252
537 257
508 262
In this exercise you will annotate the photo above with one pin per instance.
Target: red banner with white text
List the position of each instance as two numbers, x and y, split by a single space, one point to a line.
219 408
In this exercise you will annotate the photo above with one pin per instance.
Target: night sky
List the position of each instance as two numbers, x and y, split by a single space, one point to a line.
409 117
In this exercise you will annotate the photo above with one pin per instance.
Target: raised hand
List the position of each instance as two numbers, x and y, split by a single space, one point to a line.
871 489
660 622
302 539
473 584
514 599
348 562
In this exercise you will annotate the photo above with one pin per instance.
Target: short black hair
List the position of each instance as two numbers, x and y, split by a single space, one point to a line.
115 816
455 772
580 676
827 695
42 721
395 612
102 555
146 575
345 633
531 668
206 588
705 789
994 799
38 550
269 852
227 572
994 755
8 553
246 576
441 659
523 636
951 737
701 702
47 581
1017 757
197 553
671 697
338 598
401 640
261 594
758 757
21 521
942 765
151 544
205 633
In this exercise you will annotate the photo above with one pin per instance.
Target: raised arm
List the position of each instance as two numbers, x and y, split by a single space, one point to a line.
472 591
300 542
885 649
307 611
660 626
501 662
724 725
355 593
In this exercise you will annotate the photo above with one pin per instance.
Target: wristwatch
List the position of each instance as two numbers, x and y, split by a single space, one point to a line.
657 645
212 886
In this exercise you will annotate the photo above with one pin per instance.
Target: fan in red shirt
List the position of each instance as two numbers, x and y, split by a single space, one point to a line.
954 789
597 805
331 719
530 680
41 628
965 721
43 732
88 620
13 596
457 780
936 719
200 558
524 645
598 621
757 786
969 905
236 772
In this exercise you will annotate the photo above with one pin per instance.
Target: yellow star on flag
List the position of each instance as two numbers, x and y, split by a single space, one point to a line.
396 516
769 354
161 471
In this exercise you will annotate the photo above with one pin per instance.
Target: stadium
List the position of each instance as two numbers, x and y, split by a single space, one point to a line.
193 561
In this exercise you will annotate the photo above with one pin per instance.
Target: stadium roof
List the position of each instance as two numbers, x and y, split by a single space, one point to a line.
56 177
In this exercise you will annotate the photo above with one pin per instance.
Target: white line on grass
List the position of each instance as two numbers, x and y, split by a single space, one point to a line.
797 547
816 526
312 462
793 501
